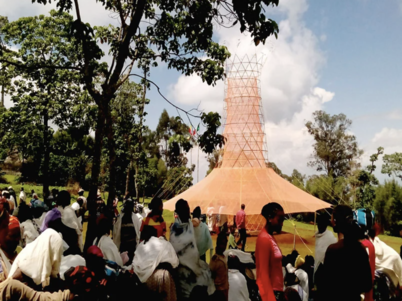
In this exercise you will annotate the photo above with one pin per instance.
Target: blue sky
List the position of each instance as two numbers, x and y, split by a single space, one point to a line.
338 56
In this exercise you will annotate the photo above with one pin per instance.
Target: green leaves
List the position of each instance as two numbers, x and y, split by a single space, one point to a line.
210 139
392 165
334 148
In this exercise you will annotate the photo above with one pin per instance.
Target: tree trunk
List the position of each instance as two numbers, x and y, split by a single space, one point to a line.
128 178
112 157
137 194
46 158
2 95
96 164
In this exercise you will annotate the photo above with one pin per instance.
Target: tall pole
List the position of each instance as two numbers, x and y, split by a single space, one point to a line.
198 164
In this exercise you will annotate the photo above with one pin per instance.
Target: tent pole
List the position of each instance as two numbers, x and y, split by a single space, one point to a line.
294 237
315 222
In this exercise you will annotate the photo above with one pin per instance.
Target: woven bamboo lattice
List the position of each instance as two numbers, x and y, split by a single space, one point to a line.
242 176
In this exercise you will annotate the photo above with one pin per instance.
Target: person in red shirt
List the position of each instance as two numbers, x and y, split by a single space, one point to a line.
268 256
241 226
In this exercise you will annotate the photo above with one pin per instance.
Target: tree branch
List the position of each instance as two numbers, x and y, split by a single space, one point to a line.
125 44
167 100
23 66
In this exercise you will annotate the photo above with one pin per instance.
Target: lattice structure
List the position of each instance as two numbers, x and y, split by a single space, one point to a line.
245 145
242 177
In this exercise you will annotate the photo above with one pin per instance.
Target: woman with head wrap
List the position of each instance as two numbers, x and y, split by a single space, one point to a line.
202 234
10 236
191 271
68 216
53 220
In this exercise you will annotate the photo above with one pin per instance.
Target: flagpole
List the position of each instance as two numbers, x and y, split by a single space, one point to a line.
198 164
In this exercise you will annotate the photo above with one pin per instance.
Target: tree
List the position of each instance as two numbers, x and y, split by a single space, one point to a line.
214 160
392 165
297 179
334 149
367 182
5 79
331 190
128 112
388 206
172 31
173 136
45 93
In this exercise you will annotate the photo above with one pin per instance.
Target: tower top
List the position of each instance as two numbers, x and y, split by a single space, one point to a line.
245 145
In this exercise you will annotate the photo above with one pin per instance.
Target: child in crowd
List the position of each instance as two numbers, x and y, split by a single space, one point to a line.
232 241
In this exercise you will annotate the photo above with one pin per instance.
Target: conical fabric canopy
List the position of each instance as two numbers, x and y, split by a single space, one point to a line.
243 176
254 187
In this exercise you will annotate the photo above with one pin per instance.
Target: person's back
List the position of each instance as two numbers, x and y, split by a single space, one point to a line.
347 272
238 290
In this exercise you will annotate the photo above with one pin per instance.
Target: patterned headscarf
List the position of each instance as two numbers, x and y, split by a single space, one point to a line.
13 223
80 280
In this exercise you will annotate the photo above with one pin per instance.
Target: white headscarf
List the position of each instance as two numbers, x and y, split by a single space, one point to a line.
70 219
150 254
41 259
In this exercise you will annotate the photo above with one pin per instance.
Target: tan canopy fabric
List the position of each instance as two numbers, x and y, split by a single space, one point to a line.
254 187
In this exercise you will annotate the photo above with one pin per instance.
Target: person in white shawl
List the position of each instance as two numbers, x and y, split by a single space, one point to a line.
41 259
192 271
202 234
323 239
68 215
238 290
23 196
105 243
388 261
153 263
150 253
128 237
211 217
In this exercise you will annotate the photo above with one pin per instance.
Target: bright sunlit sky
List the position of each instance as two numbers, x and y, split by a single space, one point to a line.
337 56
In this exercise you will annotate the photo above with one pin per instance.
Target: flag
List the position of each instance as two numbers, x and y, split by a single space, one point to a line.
190 130
198 128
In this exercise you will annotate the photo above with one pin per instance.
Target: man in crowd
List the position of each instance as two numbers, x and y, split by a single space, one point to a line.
323 239
241 226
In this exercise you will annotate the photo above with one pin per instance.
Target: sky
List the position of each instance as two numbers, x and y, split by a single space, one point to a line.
337 56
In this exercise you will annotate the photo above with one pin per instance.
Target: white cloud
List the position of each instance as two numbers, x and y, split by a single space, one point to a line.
395 115
323 38
289 143
391 138
289 81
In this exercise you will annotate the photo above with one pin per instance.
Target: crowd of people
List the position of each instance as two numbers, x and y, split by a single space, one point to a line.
42 254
